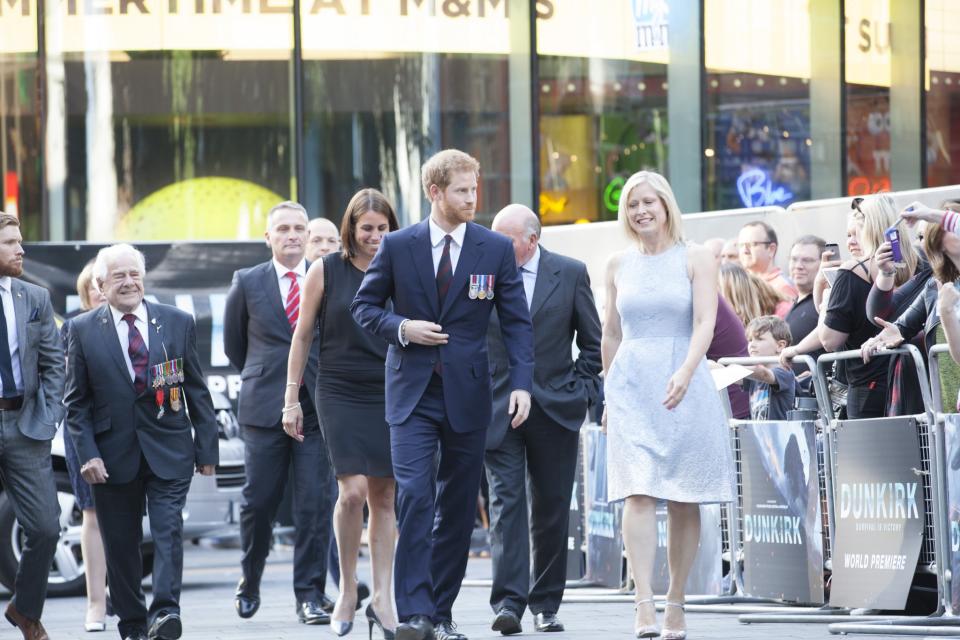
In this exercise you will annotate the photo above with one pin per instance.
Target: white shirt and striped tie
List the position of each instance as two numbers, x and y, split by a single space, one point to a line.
290 281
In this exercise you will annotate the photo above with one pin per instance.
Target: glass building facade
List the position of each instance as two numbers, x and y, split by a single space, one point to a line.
189 119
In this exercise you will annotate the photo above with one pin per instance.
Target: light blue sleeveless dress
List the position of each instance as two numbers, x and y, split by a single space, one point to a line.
682 454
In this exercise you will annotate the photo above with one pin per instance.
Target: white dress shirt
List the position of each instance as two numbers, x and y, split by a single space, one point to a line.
13 342
282 271
528 271
123 333
437 236
436 241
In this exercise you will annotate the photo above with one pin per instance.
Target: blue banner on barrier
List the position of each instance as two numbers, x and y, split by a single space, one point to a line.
782 528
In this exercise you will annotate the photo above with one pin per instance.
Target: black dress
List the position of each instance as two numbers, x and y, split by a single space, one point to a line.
350 380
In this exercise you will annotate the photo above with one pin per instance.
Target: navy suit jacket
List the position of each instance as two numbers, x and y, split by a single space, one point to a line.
256 339
108 419
402 271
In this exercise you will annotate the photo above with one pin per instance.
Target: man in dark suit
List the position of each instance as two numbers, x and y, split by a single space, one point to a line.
141 417
444 276
31 373
261 310
542 452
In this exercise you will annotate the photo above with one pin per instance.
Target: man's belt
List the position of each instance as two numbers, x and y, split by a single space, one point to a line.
11 404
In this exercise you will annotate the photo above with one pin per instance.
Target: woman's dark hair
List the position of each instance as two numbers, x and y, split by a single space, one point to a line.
943 268
363 201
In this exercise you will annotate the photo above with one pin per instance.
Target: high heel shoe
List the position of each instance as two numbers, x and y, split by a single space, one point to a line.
674 634
340 628
374 620
648 630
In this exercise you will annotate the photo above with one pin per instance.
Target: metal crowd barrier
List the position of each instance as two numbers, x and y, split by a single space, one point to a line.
944 621
862 513
737 532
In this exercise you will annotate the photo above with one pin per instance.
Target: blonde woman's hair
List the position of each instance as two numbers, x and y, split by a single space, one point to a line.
662 188
84 280
749 295
876 214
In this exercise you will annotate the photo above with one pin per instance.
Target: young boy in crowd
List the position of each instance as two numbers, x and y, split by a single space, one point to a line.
772 390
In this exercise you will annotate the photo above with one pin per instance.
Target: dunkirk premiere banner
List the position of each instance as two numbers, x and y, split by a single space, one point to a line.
781 526
879 512
706 575
193 276
604 540
951 425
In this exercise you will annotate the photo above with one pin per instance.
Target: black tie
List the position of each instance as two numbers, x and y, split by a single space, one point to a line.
444 270
6 365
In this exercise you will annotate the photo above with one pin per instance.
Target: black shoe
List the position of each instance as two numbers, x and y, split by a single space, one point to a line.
363 592
166 626
136 635
326 603
309 612
507 622
246 600
447 630
374 620
547 621
416 628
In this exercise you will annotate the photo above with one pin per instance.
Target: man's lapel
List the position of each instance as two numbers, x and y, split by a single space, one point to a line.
271 289
470 254
548 277
111 341
21 309
155 322
422 253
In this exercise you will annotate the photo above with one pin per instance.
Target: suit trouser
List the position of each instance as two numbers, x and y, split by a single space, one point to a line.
535 462
27 475
120 513
437 506
270 452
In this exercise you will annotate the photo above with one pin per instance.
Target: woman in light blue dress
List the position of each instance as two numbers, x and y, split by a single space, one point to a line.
666 430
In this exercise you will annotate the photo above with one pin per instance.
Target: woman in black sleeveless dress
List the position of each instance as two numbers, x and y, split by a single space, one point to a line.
350 402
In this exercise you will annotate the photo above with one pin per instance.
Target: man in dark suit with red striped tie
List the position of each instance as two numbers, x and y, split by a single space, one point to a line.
262 308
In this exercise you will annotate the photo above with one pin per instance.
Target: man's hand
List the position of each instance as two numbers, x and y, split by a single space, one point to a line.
519 407
206 469
425 333
94 472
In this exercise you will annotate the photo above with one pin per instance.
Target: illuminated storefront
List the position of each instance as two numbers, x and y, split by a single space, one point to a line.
188 119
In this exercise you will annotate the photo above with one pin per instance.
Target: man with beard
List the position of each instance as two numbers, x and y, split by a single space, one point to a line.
134 372
444 277
31 373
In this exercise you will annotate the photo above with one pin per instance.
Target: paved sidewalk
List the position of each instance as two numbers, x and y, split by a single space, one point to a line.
211 574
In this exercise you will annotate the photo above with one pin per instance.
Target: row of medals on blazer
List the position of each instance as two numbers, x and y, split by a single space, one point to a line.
168 374
481 286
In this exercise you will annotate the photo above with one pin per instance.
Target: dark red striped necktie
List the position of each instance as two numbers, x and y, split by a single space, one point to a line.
292 305
444 270
137 350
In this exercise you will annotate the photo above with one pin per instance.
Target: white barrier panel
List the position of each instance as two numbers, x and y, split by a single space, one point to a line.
594 243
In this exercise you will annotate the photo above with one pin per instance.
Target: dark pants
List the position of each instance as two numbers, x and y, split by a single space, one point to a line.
437 505
269 454
27 476
539 460
120 514
864 401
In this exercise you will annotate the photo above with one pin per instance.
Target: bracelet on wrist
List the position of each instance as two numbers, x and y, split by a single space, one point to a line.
293 384
291 407
889 274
